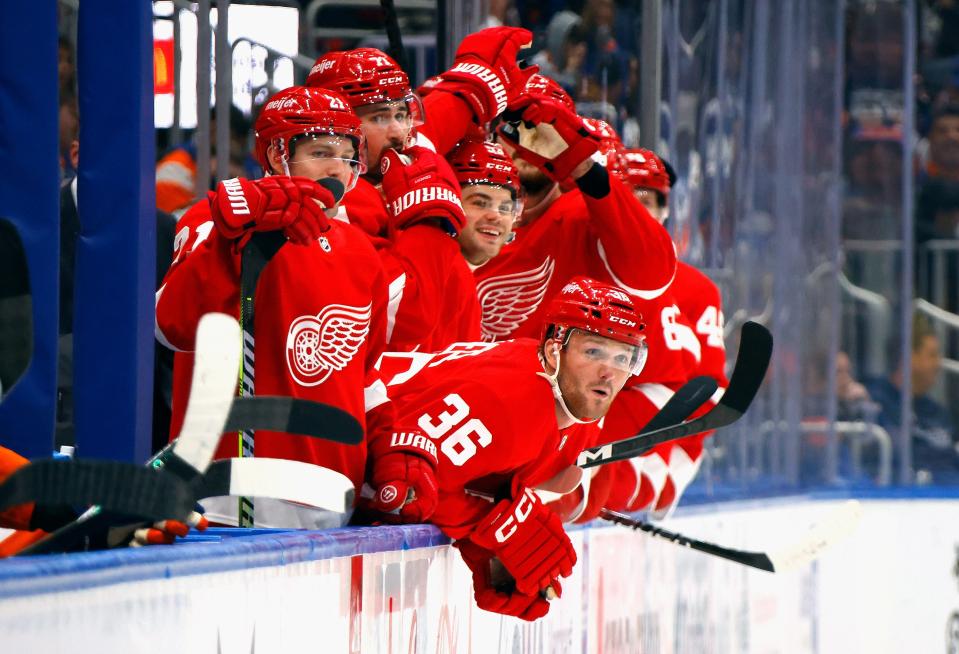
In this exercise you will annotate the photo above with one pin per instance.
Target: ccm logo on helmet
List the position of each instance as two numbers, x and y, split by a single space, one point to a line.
622 321
391 80
523 508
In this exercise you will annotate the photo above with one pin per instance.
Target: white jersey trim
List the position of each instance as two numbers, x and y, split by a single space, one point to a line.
645 295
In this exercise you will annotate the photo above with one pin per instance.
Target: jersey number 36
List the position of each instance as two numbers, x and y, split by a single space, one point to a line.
460 446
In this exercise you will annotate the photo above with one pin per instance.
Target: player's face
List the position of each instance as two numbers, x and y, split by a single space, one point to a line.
316 156
490 212
385 125
650 199
593 369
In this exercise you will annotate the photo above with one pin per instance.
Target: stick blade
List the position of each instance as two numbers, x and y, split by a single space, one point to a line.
841 523
752 361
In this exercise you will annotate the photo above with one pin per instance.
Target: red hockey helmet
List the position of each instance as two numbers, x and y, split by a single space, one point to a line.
646 170
299 110
365 76
611 148
597 308
541 86
483 162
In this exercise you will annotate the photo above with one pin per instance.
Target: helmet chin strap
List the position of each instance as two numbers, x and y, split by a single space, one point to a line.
554 384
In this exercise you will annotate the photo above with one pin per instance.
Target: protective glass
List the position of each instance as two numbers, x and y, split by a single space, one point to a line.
617 355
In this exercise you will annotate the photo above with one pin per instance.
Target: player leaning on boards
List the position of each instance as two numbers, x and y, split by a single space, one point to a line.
484 77
598 229
320 316
494 416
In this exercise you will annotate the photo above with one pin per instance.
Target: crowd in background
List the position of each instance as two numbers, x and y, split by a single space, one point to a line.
591 48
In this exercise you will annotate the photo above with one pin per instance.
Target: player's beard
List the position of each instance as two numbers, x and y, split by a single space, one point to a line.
533 180
578 400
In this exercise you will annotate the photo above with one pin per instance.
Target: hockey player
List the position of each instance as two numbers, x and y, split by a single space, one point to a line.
598 229
492 415
484 77
433 304
320 318
686 341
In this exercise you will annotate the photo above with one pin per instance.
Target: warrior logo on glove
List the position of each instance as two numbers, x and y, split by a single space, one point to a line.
317 346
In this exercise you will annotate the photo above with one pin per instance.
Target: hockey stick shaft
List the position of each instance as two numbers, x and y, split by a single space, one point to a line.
836 526
755 351
392 24
752 559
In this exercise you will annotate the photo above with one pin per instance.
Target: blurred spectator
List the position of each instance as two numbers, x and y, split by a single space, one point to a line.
875 38
565 52
176 184
66 68
873 199
606 67
935 456
854 400
69 132
944 144
937 211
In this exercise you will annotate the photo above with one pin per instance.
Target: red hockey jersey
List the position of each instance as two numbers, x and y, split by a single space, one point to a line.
320 326
611 239
491 415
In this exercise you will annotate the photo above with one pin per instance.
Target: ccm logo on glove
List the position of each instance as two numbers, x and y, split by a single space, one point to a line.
522 511
414 440
423 195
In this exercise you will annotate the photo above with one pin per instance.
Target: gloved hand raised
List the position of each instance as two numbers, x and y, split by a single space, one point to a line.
294 205
485 72
549 135
419 184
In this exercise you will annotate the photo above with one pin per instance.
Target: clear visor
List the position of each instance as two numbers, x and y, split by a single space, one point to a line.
406 112
481 202
320 154
620 356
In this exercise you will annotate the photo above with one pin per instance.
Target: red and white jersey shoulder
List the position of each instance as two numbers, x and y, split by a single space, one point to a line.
317 340
699 300
490 414
432 294
611 239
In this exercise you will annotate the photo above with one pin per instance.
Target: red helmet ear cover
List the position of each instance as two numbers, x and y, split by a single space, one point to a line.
646 170
483 162
363 76
302 110
596 308
611 147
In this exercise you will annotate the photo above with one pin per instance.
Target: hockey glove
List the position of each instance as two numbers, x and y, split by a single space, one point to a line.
547 134
166 531
292 204
485 72
421 189
528 538
491 596
404 478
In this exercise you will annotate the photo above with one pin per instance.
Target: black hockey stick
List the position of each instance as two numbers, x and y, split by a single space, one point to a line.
211 394
683 403
294 416
755 350
257 253
392 24
839 524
